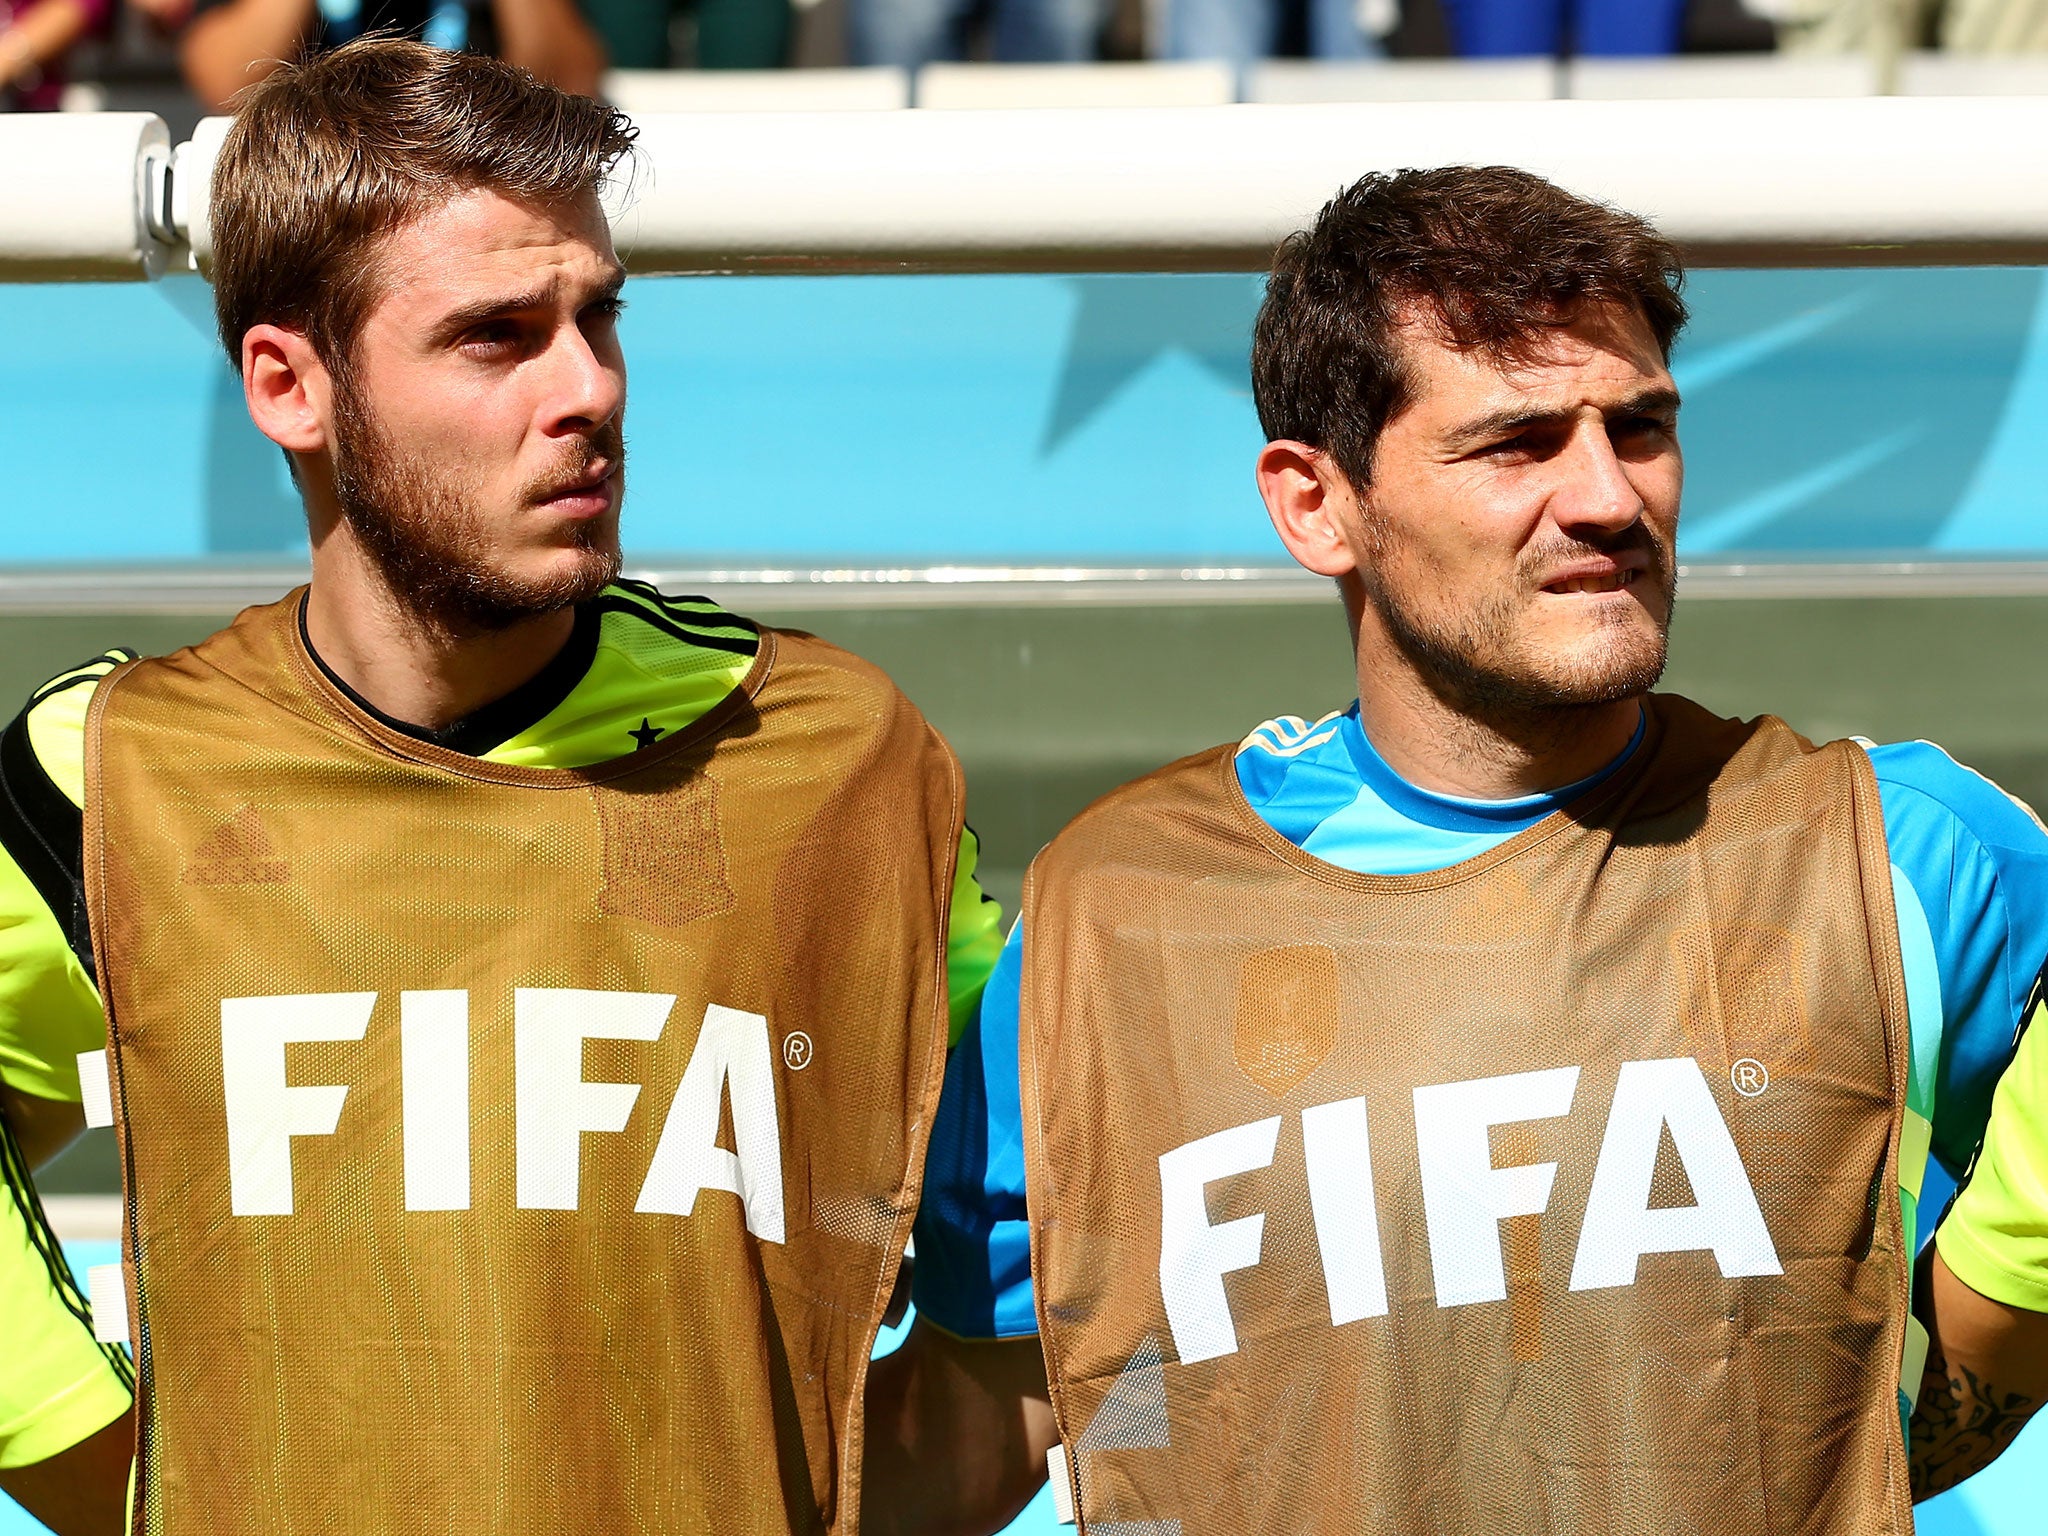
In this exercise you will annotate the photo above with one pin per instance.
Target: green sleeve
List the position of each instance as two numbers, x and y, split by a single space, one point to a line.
49 1010
60 1385
1995 1237
974 938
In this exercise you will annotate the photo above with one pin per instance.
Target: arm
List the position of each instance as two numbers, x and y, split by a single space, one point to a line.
957 1435
67 1425
959 1418
40 38
82 1491
1970 880
551 38
233 45
1987 1373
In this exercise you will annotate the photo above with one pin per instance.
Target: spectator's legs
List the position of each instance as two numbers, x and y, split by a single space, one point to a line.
1238 31
905 33
1492 29
635 32
742 34
1335 32
1627 28
1047 31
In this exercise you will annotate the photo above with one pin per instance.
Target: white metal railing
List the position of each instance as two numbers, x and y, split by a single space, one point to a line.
201 587
1759 182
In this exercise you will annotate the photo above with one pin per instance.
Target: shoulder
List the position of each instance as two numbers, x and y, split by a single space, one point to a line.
1926 792
1279 748
660 630
46 1002
1695 752
50 730
692 652
1186 797
1976 860
42 751
1298 773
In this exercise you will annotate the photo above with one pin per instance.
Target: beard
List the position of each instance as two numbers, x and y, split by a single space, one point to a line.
431 537
1481 663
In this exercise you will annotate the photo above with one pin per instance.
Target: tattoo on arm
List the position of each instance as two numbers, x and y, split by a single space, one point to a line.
1960 1426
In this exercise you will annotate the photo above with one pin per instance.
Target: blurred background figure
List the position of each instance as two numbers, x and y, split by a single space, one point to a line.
709 34
1987 27
1492 29
1995 26
1244 30
1851 26
233 43
35 36
913 33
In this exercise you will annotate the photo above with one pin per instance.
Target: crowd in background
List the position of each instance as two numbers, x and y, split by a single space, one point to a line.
197 53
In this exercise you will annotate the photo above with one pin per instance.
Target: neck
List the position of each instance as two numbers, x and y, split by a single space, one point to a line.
1435 746
411 666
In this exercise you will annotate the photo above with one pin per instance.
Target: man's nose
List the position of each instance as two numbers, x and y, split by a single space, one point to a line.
587 388
1595 489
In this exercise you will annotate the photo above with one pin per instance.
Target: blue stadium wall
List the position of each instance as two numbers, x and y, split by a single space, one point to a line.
1829 414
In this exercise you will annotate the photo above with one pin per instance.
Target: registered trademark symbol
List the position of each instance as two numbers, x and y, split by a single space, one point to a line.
796 1050
1748 1077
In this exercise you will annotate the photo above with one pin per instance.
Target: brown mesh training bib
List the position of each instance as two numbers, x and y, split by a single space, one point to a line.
1551 1192
512 1150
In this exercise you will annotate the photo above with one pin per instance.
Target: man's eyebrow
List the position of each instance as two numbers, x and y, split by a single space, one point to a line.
1507 423
457 321
1651 402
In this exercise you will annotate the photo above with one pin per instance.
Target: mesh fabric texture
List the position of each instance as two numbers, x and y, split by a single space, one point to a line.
1190 971
362 1367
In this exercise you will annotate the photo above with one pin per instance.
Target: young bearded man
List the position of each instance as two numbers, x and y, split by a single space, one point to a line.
1500 1105
527 993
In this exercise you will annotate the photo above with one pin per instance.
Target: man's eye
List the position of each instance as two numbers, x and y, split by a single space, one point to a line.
494 336
607 311
1506 445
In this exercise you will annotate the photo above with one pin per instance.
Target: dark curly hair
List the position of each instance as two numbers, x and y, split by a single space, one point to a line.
1493 256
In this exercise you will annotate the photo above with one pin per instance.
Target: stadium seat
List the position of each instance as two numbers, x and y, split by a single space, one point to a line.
1301 81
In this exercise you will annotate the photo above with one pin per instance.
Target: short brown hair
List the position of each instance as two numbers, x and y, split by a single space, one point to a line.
327 157
1491 255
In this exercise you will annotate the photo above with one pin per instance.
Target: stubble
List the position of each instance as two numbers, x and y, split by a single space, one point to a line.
430 537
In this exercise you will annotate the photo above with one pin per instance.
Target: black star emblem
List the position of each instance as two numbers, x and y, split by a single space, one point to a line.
647 735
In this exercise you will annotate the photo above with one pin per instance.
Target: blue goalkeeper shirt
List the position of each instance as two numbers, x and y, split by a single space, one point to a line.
1969 874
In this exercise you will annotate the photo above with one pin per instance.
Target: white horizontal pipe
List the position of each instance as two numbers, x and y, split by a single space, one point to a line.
1218 187
72 188
1765 182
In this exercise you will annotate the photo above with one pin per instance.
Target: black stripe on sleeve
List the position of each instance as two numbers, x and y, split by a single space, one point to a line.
42 832
81 674
14 1174
677 611
654 618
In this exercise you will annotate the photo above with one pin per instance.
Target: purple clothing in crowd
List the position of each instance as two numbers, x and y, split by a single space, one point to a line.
42 92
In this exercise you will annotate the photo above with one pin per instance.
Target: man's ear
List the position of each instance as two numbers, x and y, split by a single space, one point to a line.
1310 503
289 390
